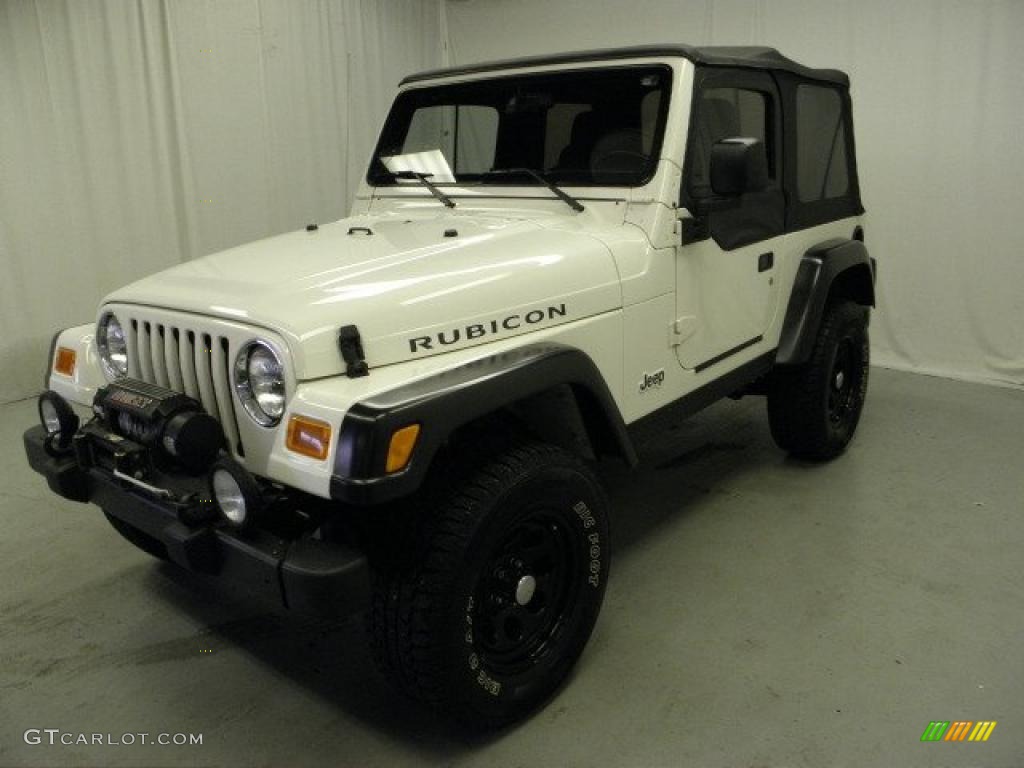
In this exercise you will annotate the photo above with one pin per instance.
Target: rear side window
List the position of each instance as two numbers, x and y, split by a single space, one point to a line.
822 164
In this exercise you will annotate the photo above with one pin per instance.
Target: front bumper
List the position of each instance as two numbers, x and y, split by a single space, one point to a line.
303 573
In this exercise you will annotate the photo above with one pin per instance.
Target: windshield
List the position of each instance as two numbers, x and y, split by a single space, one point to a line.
584 127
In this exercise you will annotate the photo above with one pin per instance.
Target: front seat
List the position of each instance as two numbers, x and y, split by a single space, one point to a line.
575 156
617 155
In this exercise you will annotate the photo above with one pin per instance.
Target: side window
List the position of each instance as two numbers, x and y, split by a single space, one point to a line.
724 113
430 128
822 165
476 132
466 135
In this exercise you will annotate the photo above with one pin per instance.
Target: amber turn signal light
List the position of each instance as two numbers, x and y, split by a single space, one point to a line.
64 362
400 449
309 437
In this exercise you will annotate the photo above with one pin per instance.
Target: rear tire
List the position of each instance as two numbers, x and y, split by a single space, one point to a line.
814 408
146 543
493 596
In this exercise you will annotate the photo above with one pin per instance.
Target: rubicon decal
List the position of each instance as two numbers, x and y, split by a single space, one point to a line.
487 328
958 730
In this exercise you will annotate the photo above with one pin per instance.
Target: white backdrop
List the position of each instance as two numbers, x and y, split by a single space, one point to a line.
134 135
937 93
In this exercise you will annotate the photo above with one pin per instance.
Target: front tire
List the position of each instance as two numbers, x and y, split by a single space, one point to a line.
814 408
487 615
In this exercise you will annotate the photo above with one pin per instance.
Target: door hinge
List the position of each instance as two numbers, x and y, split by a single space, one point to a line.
681 329
695 230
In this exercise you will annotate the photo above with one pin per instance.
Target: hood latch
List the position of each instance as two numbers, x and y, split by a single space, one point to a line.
351 347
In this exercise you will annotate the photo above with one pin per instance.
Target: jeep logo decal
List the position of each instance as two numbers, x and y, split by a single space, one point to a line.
652 380
488 328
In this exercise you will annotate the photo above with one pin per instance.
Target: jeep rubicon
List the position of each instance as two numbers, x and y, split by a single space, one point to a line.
395 413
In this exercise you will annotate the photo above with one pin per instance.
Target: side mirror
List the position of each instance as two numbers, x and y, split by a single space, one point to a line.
738 166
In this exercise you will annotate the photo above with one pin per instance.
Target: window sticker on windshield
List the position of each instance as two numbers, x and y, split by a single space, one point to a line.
431 163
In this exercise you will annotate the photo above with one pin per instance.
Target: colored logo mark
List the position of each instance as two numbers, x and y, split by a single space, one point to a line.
958 730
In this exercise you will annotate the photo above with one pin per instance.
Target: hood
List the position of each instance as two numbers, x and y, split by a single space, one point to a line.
413 284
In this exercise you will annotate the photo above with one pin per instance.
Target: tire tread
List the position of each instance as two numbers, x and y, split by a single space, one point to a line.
403 637
795 394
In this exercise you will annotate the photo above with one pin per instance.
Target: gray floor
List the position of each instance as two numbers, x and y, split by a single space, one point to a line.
761 612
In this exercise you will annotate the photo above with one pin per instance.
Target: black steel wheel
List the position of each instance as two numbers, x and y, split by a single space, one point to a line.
524 592
843 382
814 408
499 589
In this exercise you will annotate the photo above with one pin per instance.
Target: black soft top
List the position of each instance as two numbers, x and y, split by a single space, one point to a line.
749 57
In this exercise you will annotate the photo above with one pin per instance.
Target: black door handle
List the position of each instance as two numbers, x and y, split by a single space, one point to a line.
765 261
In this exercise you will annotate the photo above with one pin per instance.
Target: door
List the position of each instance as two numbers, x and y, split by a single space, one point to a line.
726 267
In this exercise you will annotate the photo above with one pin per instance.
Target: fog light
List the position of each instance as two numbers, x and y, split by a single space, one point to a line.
58 419
235 492
400 449
49 416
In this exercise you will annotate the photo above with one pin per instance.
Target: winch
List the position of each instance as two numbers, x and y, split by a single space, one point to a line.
160 418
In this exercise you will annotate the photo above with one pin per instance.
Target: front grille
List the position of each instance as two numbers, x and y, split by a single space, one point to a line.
186 360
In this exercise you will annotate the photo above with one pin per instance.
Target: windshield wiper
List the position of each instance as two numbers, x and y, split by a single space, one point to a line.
423 178
568 199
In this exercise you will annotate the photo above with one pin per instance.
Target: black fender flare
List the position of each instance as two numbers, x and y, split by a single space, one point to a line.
445 401
833 263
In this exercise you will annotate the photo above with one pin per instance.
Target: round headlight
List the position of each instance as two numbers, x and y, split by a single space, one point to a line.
259 381
111 344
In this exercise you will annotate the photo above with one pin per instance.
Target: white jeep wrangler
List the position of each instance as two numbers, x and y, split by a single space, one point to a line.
395 412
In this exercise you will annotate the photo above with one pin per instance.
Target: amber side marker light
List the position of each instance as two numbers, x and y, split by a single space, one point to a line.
64 362
400 449
309 437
